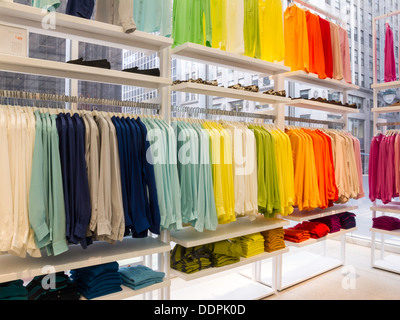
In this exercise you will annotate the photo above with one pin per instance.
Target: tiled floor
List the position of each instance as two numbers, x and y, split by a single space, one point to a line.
355 281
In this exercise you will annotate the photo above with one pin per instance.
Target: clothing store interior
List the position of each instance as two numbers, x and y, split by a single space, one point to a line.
203 150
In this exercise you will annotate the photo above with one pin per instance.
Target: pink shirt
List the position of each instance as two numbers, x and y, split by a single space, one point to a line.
345 52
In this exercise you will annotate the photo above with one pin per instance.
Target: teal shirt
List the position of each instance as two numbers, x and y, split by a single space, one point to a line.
46 4
37 208
46 196
153 16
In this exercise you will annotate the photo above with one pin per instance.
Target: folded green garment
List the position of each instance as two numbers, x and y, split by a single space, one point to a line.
221 260
228 248
192 266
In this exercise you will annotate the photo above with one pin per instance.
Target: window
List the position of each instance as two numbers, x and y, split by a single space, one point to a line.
362 59
362 36
305 94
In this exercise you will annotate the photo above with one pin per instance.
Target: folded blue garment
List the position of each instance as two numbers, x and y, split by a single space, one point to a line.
13 290
94 271
139 275
98 293
143 284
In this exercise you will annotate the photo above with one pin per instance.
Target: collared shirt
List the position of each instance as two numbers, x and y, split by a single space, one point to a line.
296 39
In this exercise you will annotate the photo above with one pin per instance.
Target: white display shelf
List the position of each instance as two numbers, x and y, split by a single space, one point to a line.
300 216
386 208
395 233
230 287
389 263
215 91
386 85
84 73
224 59
296 268
386 109
189 237
321 106
71 27
14 268
313 241
242 262
311 78
129 293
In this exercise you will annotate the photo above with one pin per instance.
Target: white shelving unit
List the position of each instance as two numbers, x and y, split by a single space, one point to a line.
189 237
292 273
79 29
388 262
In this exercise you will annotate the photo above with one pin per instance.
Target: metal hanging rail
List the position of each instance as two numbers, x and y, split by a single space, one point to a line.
78 100
324 122
387 124
320 11
196 110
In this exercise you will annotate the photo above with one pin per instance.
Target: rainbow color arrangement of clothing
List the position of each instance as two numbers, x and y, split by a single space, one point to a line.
315 45
327 167
241 26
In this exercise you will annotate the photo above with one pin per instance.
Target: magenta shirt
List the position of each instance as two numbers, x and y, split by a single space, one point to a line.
390 62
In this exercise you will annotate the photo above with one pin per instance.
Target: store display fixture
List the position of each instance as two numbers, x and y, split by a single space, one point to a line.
389 262
78 29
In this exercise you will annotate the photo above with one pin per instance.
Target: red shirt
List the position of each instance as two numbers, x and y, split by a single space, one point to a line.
327 43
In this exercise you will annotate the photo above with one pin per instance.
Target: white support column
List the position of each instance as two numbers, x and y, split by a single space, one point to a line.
165 71
279 85
73 82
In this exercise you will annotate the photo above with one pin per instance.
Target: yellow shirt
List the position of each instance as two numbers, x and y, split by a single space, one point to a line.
218 22
271 30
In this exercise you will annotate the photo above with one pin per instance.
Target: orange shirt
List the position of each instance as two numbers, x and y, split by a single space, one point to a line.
296 39
316 46
320 165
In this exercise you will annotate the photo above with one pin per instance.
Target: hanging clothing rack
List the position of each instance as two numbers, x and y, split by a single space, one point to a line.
197 110
78 100
320 11
304 120
387 124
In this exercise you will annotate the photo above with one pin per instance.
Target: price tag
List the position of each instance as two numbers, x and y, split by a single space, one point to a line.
13 41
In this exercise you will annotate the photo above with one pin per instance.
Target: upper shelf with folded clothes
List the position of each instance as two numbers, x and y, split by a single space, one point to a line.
71 27
225 59
313 79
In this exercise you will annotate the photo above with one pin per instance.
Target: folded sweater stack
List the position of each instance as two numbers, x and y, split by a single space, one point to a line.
191 260
316 229
226 252
97 281
64 288
386 223
252 244
347 220
333 222
274 239
296 235
13 290
140 277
